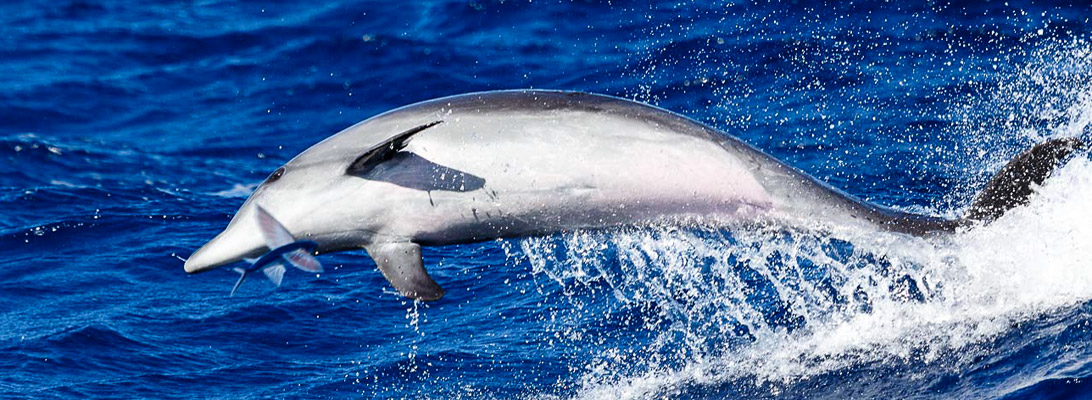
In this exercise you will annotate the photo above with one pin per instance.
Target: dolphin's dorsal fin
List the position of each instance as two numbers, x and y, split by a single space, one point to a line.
1012 185
403 267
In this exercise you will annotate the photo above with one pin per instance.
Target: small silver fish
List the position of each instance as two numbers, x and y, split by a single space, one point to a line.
284 249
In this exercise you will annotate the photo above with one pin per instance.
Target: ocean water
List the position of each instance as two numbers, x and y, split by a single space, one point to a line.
130 132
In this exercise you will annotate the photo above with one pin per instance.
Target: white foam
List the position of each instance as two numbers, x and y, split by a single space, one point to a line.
977 284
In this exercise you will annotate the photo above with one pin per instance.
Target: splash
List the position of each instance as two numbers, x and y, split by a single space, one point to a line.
773 308
1049 95
769 309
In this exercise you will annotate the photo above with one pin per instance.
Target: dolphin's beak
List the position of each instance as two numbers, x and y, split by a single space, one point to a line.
242 238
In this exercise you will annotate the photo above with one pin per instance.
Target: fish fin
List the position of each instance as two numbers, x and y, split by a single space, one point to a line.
1013 185
385 150
273 232
242 277
403 267
303 260
275 273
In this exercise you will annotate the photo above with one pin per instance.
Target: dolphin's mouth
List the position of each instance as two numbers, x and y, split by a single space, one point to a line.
241 239
215 253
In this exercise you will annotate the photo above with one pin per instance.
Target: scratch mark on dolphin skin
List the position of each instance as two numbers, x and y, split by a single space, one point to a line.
475 212
430 202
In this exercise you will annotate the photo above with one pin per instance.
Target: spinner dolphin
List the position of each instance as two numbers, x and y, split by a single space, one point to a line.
490 165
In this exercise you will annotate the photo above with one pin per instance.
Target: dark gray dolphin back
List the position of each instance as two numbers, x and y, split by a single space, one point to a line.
1012 185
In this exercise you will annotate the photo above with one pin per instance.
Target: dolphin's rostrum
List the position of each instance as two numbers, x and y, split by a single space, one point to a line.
489 165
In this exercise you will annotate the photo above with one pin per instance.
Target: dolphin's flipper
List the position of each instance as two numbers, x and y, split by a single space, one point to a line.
385 150
273 232
401 264
275 273
1013 184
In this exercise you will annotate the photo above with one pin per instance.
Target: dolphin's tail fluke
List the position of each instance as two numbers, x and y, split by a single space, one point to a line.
1013 185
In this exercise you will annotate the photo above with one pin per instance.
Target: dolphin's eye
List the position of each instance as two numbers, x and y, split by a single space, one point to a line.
276 175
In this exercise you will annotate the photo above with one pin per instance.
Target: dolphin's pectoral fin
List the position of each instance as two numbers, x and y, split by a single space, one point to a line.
403 267
388 162
385 150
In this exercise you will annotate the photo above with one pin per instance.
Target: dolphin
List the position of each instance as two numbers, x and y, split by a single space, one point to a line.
501 164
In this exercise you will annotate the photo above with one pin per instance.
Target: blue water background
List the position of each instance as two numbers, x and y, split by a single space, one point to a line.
130 132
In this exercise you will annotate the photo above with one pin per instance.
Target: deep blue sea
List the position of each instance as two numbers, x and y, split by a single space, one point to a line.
130 132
